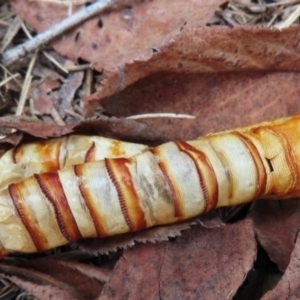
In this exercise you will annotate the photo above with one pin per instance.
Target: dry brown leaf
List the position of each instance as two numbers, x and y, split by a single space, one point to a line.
63 98
218 101
122 129
71 255
276 224
288 287
86 283
101 274
208 50
38 284
42 97
12 139
201 264
127 130
155 234
34 127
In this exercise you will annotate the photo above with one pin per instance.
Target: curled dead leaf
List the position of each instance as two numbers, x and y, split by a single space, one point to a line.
276 224
288 287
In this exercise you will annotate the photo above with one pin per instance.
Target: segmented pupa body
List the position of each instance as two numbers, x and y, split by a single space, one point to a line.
58 154
145 187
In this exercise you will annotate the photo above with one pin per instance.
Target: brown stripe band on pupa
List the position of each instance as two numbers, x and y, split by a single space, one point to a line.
259 166
227 170
91 153
17 152
51 187
128 197
204 167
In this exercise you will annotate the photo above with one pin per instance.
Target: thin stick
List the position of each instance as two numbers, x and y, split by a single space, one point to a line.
10 74
287 2
10 33
73 114
11 56
87 85
272 20
26 85
55 115
48 56
290 20
161 115
5 81
55 62
75 68
4 23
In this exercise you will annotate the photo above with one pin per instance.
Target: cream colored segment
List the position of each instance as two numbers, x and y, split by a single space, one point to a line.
241 167
44 213
109 148
33 159
77 147
30 163
73 150
10 172
262 153
104 195
186 179
274 150
253 127
203 145
70 184
63 153
259 147
153 191
13 235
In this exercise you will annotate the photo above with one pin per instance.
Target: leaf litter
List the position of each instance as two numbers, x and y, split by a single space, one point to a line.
224 76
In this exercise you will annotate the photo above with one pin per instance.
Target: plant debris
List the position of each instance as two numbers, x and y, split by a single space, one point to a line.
216 65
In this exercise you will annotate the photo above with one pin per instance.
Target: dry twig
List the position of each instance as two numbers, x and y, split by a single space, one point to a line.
26 86
11 56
